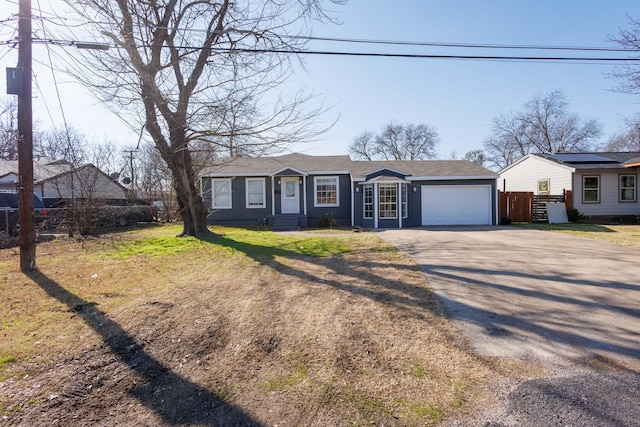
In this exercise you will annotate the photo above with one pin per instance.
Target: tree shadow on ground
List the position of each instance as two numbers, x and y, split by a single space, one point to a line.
388 290
496 323
176 400
413 300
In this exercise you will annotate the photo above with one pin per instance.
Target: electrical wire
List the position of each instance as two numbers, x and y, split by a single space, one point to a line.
57 88
520 58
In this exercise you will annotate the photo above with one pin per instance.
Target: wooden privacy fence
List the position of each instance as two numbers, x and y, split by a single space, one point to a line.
524 206
517 206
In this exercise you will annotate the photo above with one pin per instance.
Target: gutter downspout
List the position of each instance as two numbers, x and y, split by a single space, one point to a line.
304 195
400 204
353 202
376 208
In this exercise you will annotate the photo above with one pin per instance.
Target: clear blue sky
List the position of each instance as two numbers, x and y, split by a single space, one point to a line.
457 97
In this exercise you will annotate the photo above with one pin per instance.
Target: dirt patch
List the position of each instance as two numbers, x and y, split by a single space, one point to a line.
216 337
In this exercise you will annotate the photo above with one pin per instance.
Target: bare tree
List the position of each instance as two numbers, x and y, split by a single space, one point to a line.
396 142
628 140
64 143
475 156
363 146
543 126
628 74
183 65
8 129
156 183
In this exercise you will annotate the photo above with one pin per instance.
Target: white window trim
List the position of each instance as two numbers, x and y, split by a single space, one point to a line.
364 203
264 193
404 204
380 202
315 192
584 178
635 188
213 193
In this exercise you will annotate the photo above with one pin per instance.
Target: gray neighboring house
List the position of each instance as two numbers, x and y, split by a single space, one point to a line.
296 190
56 180
603 184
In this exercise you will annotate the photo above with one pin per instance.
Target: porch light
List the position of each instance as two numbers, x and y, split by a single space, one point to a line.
415 188
357 189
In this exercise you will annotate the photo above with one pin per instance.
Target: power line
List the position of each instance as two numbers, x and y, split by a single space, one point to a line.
418 55
523 58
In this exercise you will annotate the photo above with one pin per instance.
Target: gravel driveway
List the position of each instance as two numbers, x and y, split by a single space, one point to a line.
571 303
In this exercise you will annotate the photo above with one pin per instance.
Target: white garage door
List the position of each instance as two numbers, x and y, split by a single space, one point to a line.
456 205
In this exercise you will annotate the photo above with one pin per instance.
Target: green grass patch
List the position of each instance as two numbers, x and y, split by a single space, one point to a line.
157 246
460 391
10 410
370 409
253 243
299 372
417 370
6 360
424 412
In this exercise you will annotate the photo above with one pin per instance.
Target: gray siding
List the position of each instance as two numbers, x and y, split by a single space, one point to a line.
610 203
341 213
239 214
414 206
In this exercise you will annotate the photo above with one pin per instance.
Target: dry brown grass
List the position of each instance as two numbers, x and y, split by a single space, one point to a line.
226 334
624 235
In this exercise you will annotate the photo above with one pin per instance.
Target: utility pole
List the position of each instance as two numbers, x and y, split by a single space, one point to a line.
19 83
25 142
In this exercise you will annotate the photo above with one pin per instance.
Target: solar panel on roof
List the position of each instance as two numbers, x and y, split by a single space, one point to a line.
580 158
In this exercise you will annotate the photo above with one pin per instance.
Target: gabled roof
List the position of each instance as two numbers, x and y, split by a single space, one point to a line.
42 170
267 166
358 169
592 161
423 169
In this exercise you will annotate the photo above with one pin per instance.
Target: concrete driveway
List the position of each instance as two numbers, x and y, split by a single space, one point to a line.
526 293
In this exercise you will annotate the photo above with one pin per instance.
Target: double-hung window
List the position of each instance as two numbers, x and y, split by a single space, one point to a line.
221 193
255 192
326 191
367 198
405 194
388 201
591 189
627 185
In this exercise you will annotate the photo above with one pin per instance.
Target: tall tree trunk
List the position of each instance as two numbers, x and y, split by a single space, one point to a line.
190 204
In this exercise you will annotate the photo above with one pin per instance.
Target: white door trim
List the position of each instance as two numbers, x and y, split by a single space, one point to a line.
291 200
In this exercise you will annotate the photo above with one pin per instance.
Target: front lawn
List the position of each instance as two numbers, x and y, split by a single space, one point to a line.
247 328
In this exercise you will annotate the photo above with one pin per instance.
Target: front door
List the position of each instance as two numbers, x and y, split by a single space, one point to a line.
290 195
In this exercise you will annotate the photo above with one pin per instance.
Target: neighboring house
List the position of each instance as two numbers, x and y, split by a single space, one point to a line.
603 184
375 194
56 180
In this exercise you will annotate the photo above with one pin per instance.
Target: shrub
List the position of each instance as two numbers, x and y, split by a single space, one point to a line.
327 220
574 215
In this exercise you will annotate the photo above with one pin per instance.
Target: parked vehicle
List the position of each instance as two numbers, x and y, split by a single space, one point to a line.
9 212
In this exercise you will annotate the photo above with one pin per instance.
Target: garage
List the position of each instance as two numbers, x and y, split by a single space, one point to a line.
456 205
